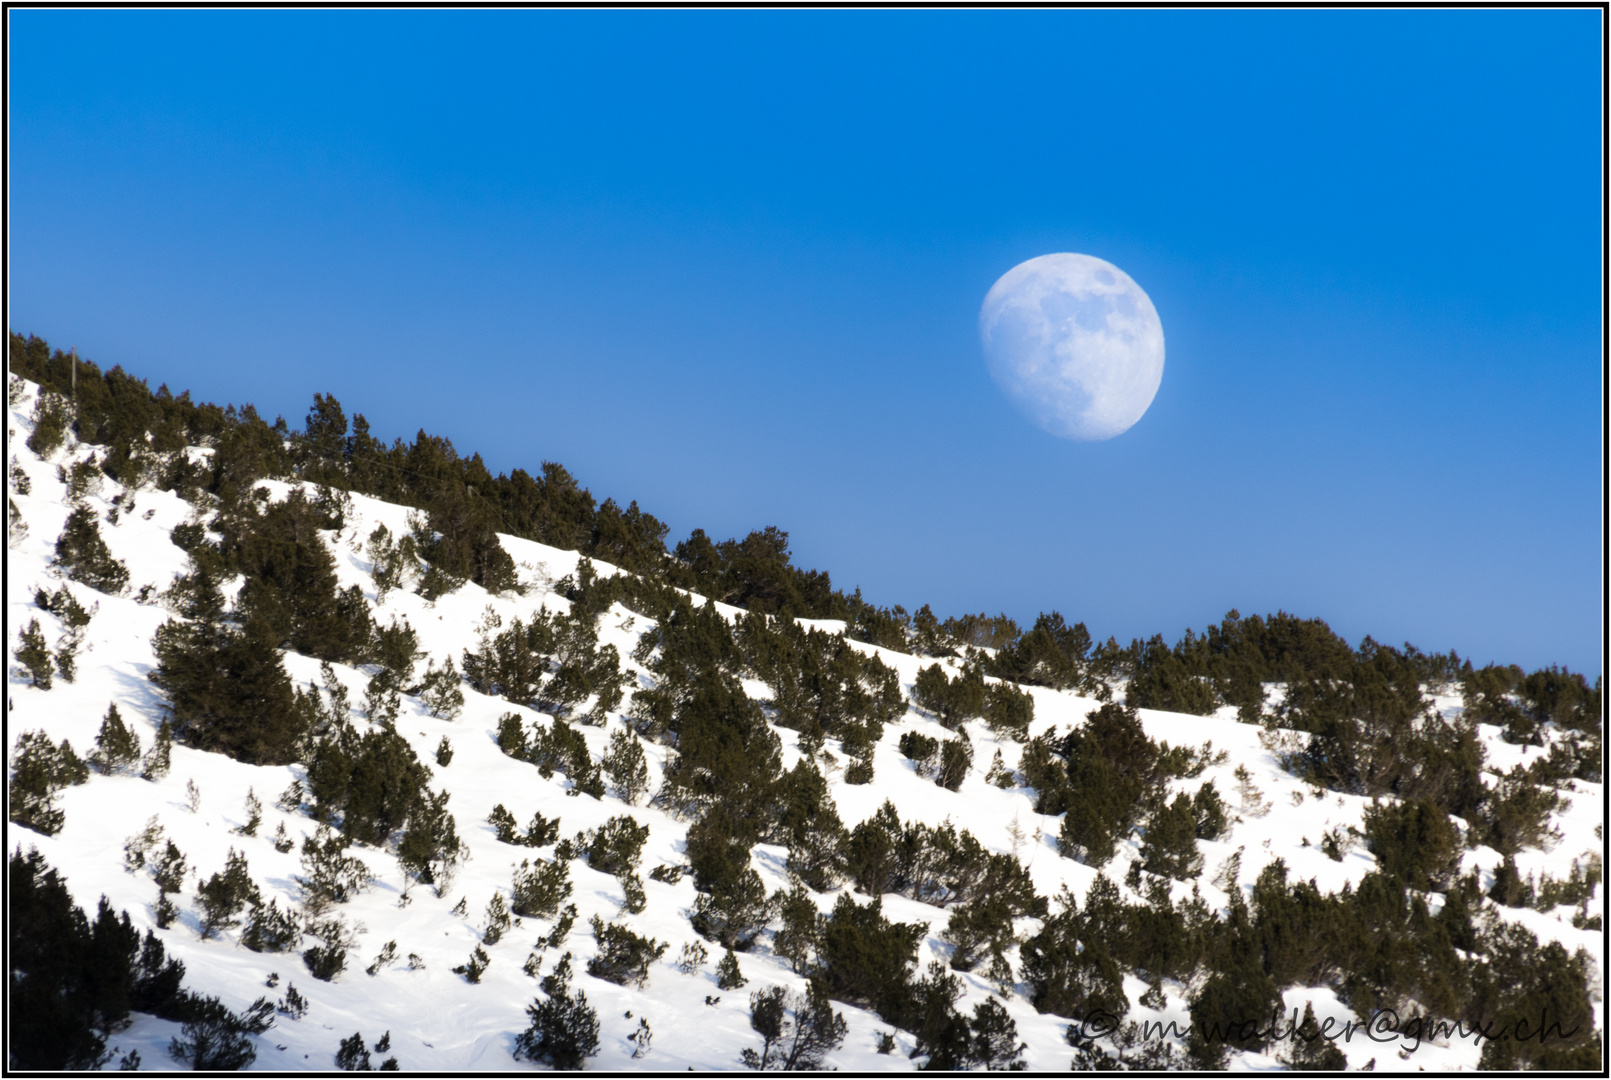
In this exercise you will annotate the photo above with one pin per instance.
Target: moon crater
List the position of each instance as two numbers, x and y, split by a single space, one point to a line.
1074 343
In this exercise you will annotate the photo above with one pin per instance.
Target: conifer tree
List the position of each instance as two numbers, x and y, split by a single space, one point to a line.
116 747
626 766
39 769
34 655
154 766
225 895
84 556
564 1029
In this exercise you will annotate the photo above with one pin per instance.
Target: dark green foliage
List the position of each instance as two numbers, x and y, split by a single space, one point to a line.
213 1039
225 895
950 701
995 1038
169 873
734 916
1208 810
540 833
616 846
554 663
753 573
729 976
865 959
65 607
353 1055
472 968
290 590
444 752
329 875
227 688
116 747
624 957
1099 776
798 1031
980 631
980 927
956 758
1163 680
1374 733
1009 711
726 750
430 846
1051 654
685 641
270 930
942 1033
626 765
806 820
40 769
733 907
1520 982
372 783
1169 846
440 692
540 888
1066 978
34 655
73 981
946 761
1415 842
796 937
935 865
325 962
1311 1051
1238 999
51 415
1516 813
84 557
822 686
564 1030
154 766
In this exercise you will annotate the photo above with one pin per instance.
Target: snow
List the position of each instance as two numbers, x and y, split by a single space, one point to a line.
440 1022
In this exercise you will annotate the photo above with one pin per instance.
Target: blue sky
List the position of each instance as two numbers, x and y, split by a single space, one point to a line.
729 264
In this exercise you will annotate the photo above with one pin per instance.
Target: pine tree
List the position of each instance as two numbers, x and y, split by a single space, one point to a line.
34 655
169 873
116 747
626 766
729 976
154 766
84 556
564 1029
1310 1050
225 895
39 770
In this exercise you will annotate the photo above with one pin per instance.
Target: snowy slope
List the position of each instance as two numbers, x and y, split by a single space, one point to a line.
437 1020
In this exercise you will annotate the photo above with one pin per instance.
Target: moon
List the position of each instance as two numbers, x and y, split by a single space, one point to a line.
1075 343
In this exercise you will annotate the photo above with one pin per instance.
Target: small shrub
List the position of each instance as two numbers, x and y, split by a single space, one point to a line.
270 930
116 747
564 1029
729 976
616 846
539 889
624 957
472 968
223 896
34 656
444 752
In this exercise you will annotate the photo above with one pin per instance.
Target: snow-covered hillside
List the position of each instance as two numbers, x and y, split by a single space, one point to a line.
437 1019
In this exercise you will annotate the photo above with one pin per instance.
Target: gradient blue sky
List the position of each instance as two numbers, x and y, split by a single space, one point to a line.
729 264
